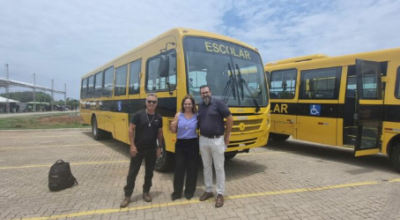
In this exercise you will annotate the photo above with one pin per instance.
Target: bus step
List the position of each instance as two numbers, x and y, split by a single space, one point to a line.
349 140
348 146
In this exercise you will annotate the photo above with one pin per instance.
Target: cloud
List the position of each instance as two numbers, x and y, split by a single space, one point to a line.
63 40
283 29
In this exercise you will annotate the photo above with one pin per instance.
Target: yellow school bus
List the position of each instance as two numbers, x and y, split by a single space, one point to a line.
173 65
349 101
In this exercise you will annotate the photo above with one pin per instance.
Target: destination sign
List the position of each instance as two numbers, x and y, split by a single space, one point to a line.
225 49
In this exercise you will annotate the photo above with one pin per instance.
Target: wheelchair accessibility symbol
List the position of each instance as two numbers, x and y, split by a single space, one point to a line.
315 110
119 106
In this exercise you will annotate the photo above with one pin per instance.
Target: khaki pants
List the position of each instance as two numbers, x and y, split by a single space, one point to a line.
212 150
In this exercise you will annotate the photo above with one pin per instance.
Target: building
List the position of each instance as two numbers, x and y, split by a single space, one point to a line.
14 105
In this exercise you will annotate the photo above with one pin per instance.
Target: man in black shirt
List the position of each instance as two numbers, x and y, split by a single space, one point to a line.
144 130
214 139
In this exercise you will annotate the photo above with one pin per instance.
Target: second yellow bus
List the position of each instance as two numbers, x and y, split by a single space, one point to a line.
350 101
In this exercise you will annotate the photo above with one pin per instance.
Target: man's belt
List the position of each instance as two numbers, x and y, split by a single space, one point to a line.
212 136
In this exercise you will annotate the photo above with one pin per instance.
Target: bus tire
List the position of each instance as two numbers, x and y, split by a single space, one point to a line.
98 134
395 158
166 161
230 155
279 137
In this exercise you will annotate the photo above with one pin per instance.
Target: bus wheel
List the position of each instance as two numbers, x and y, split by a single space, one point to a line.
230 155
166 160
279 137
395 157
98 134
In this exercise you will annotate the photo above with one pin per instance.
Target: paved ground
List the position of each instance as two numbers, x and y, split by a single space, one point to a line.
290 180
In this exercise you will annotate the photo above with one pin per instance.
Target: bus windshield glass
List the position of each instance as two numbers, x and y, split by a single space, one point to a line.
234 73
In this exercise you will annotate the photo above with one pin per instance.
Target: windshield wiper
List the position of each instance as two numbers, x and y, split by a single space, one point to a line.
243 82
240 86
230 87
169 88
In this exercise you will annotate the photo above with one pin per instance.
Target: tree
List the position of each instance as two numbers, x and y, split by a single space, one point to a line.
27 96
72 103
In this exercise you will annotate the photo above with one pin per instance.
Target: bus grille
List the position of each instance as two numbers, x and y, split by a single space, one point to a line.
246 125
242 142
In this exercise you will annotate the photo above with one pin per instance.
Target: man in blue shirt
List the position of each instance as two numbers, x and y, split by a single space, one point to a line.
214 139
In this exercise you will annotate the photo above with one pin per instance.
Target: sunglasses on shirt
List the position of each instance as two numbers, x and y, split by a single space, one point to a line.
151 102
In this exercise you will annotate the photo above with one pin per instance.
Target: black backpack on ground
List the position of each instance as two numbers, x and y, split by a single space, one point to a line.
60 176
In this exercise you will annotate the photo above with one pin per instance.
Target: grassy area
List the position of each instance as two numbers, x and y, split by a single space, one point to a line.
65 120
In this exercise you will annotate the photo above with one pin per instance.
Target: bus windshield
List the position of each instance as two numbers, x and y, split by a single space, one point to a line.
234 73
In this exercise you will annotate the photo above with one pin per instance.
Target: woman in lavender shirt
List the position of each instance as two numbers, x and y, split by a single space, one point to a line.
186 149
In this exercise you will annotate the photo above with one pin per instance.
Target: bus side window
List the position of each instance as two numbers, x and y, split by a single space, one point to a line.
134 78
108 81
84 88
283 84
120 80
90 91
98 84
155 82
320 83
152 67
172 70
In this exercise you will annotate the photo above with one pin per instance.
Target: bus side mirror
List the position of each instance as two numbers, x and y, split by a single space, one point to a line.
163 68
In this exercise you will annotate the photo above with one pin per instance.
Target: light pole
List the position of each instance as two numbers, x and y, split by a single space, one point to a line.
52 93
7 91
34 92
65 94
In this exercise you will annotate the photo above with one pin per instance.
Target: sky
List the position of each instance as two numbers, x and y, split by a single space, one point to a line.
63 40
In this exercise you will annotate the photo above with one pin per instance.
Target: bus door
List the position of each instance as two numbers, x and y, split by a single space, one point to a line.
350 106
120 117
282 91
369 113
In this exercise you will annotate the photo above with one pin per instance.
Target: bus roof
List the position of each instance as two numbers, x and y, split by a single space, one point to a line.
297 59
177 32
349 59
